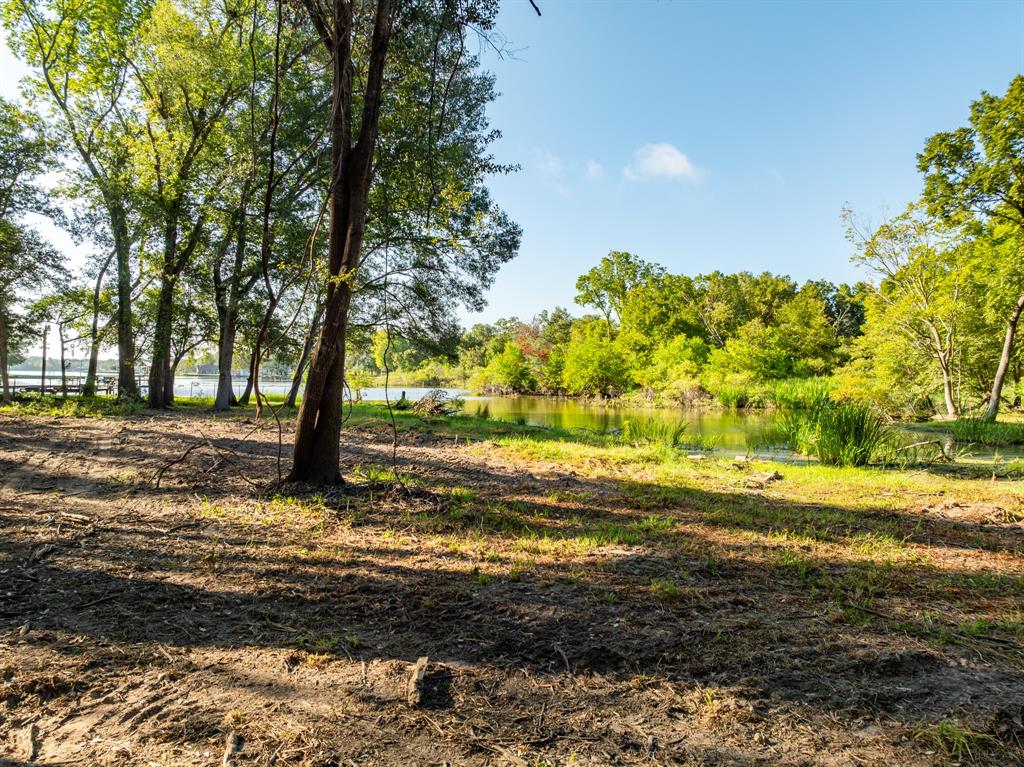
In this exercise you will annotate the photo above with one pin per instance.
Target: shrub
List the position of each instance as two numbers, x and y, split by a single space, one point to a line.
593 365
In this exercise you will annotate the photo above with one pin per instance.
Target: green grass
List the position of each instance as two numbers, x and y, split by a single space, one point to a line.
837 434
956 741
982 432
653 431
733 396
73 406
796 393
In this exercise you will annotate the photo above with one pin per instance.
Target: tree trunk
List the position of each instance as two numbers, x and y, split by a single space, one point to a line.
1004 360
89 387
42 377
947 390
300 368
4 379
318 428
225 360
160 380
247 391
126 385
63 364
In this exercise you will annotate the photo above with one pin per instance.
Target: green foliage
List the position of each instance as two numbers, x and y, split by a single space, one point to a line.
756 353
981 431
912 336
606 286
674 368
837 434
508 371
978 169
593 364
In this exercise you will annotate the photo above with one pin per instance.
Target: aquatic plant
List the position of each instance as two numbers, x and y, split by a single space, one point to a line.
653 431
983 432
796 393
837 434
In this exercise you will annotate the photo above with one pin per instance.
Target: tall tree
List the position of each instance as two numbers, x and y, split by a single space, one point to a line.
188 67
318 432
979 171
317 436
606 286
27 263
77 49
921 263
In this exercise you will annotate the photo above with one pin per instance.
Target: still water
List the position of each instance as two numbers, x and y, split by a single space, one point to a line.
728 432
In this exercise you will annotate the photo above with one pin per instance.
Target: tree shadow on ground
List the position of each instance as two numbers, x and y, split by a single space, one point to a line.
638 583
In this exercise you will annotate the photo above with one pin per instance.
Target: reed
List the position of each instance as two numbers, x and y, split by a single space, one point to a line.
653 431
982 432
837 434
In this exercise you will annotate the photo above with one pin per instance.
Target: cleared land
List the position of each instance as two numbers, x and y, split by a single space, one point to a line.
580 604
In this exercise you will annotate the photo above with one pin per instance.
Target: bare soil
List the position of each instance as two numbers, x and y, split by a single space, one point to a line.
220 619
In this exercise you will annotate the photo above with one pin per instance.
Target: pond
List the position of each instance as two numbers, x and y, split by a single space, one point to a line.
729 432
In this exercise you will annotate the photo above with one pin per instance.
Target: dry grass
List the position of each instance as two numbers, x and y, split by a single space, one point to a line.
581 603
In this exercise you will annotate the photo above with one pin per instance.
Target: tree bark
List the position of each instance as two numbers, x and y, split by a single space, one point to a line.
1004 360
89 387
318 429
42 377
947 390
228 294
160 368
4 379
63 364
126 385
225 360
247 391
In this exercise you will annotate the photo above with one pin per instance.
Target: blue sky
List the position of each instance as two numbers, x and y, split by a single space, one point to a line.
724 135
717 135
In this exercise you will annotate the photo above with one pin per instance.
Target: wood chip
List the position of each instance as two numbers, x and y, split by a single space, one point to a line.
414 692
232 745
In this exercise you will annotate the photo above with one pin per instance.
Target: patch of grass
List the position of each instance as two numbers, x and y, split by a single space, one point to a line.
665 589
842 434
74 406
652 431
796 393
981 432
733 396
955 740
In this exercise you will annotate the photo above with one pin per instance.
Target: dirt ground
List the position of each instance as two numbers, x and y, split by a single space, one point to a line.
214 619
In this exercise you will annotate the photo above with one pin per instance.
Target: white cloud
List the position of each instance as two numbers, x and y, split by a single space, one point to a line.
594 169
661 161
550 165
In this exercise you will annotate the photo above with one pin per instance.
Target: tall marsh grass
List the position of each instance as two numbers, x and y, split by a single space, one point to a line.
982 432
796 393
653 431
838 434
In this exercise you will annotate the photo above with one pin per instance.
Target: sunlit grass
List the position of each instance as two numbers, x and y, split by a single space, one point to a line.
982 432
